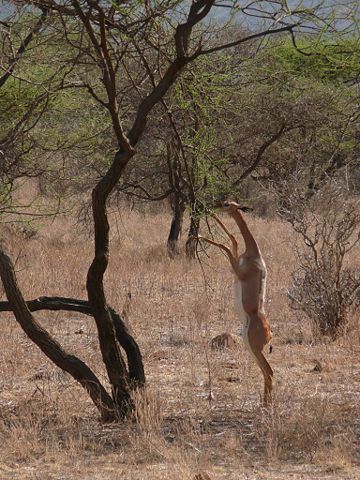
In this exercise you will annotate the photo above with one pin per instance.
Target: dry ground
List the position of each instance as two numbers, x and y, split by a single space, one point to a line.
201 411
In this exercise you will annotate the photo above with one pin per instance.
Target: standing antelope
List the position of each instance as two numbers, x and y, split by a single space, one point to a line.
250 284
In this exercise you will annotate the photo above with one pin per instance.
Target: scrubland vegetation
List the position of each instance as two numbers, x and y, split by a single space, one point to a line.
122 126
201 410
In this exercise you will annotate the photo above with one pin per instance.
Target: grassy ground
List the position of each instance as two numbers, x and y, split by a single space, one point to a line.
201 411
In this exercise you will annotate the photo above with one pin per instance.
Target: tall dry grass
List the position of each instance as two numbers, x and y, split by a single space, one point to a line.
201 410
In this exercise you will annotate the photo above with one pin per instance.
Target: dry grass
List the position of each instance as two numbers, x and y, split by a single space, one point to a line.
201 411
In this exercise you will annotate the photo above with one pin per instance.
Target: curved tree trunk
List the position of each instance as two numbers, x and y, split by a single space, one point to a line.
177 197
101 50
109 347
50 347
178 209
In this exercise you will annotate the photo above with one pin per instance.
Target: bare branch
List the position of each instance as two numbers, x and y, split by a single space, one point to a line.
24 44
288 28
259 155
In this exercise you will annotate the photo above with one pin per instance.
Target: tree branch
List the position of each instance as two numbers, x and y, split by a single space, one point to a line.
288 28
198 11
136 368
50 347
23 46
259 155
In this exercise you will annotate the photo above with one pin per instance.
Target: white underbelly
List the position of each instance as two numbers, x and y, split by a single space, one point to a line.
238 301
241 313
262 295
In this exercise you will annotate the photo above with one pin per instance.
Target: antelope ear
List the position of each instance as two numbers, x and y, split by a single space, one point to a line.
221 204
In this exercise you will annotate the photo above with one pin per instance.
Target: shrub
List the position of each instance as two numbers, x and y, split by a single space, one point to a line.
326 284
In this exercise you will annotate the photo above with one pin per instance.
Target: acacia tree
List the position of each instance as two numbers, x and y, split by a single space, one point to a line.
218 145
28 102
111 36
212 139
207 146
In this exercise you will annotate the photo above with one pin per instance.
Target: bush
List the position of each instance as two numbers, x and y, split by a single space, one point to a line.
326 284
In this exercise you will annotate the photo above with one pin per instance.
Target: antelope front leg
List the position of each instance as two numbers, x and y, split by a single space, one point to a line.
233 260
232 238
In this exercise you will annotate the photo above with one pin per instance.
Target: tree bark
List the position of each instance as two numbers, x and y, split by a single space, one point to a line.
178 209
109 347
70 363
190 246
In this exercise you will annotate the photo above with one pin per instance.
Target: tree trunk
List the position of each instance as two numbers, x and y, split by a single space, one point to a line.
109 347
178 209
50 347
191 241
